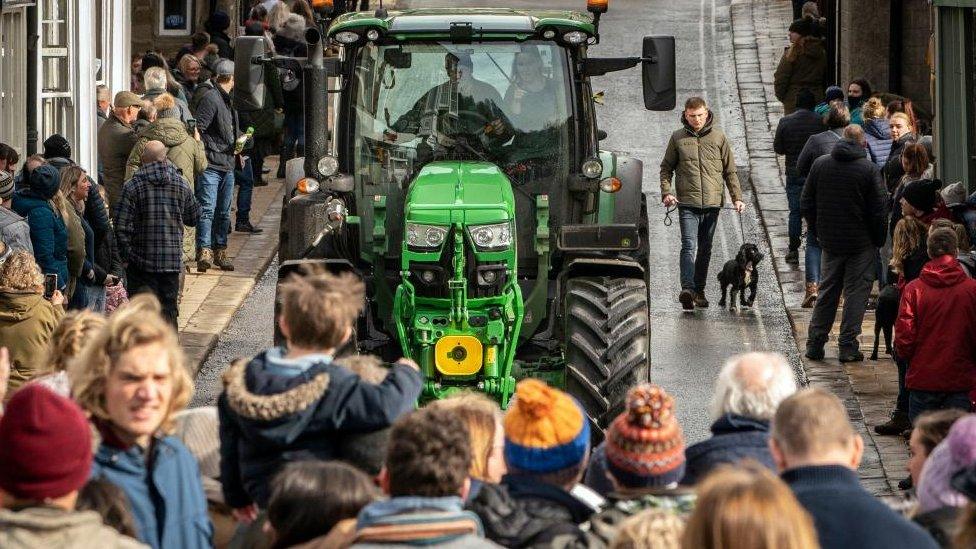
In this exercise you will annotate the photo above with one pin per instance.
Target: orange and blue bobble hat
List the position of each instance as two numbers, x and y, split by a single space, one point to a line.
545 430
645 446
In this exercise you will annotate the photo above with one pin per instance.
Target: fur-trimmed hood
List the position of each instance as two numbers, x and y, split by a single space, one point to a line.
269 407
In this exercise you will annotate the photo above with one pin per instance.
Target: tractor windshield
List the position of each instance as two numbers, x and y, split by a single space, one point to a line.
501 102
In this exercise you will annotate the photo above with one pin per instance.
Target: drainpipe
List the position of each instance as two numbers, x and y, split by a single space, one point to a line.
33 61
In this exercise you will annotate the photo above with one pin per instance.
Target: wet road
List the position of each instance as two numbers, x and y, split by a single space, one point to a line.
687 348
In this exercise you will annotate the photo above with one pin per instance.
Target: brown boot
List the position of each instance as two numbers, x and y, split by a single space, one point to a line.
204 260
810 298
221 260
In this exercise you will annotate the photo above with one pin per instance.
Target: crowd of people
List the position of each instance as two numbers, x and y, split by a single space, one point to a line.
308 447
859 171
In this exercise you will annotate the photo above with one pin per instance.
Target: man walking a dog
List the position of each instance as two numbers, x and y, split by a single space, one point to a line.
843 203
697 167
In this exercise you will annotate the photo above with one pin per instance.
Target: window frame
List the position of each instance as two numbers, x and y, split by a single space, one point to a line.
161 30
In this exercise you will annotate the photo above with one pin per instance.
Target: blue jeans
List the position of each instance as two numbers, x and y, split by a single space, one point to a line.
920 402
214 191
901 404
794 190
244 177
812 258
697 231
88 295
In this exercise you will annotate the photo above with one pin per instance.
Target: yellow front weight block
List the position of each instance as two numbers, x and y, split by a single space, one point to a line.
459 355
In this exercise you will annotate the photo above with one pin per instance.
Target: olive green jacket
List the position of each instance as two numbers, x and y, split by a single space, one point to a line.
26 323
804 70
185 152
697 166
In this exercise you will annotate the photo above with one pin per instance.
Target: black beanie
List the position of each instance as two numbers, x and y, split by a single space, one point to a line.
922 194
803 27
57 146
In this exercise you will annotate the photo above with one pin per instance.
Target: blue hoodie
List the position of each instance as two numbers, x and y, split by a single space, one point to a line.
48 234
274 410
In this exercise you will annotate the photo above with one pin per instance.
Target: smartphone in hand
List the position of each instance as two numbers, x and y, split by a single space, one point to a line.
50 285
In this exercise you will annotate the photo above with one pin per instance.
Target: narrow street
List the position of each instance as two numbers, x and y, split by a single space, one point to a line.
687 348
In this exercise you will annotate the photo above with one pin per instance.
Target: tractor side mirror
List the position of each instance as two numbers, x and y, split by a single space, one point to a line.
658 73
249 52
601 135
397 58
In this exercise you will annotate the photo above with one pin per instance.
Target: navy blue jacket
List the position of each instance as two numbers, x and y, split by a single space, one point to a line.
272 414
48 234
164 490
845 515
734 438
877 132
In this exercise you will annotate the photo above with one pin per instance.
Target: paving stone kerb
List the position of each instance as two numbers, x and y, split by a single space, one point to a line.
211 299
868 388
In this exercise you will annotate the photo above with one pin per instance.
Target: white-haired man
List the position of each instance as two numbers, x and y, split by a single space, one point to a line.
747 393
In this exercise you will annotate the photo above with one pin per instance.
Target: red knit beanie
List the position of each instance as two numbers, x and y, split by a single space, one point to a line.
645 446
45 445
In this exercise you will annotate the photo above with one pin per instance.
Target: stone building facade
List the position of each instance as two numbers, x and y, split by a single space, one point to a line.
166 25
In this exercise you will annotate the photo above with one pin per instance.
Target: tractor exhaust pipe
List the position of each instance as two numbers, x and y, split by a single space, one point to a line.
315 86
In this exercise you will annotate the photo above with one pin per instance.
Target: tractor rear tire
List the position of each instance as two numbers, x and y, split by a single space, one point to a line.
607 329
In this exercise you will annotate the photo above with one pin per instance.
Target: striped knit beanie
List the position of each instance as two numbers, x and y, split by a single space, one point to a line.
545 431
645 446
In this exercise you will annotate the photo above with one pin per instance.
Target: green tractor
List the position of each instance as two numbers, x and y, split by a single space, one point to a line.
452 160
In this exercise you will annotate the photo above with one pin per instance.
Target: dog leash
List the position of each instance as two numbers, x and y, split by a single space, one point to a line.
668 221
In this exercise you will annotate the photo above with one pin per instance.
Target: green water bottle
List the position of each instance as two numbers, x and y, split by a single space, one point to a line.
242 140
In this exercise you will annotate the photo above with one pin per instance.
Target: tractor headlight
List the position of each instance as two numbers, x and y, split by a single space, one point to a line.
425 236
574 37
497 236
346 37
328 166
592 168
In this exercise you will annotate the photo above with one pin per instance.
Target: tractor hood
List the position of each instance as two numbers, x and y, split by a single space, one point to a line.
460 192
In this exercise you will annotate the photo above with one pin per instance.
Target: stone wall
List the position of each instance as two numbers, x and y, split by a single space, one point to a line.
916 73
145 25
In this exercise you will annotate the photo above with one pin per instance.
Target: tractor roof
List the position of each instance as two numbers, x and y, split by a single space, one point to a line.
438 21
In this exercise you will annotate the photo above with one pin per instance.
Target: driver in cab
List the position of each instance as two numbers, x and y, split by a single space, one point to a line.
463 107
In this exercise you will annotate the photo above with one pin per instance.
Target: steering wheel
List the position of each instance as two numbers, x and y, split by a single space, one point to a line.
478 117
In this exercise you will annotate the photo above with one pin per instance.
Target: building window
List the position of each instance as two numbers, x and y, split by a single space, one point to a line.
174 17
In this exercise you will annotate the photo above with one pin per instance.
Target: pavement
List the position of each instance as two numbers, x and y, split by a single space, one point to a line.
211 299
867 388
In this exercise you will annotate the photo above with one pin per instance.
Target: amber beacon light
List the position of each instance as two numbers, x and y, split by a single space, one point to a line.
322 5
597 6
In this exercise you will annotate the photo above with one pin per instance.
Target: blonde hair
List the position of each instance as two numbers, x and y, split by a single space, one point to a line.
650 529
903 117
748 507
184 63
873 109
20 273
64 199
482 416
135 324
277 15
164 101
811 422
69 337
909 234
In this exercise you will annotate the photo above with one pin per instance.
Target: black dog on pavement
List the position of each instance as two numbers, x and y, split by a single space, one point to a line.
885 315
740 273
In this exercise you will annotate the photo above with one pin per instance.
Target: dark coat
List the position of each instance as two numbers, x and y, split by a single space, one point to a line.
734 438
217 124
846 516
936 321
115 142
942 524
893 170
523 512
843 201
259 434
816 146
49 235
877 132
291 81
792 133
802 72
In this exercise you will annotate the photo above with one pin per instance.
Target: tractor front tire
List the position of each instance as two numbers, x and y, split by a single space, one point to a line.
607 329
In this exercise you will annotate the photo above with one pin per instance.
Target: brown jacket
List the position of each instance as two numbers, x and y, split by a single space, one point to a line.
802 66
115 142
697 166
26 323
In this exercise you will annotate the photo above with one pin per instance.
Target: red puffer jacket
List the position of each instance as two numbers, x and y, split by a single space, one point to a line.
935 327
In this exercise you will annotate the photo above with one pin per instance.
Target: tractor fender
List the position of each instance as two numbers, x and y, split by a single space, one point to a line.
623 267
303 218
627 201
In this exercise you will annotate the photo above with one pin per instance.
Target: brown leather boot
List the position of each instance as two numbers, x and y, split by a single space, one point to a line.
810 297
204 260
221 260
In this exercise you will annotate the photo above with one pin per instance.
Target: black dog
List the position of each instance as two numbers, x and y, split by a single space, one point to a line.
740 273
885 315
